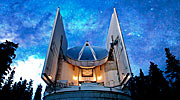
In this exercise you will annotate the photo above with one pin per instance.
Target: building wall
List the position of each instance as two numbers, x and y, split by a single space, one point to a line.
105 74
99 71
111 77
70 73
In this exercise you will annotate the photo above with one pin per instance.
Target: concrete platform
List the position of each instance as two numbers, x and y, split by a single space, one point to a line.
87 93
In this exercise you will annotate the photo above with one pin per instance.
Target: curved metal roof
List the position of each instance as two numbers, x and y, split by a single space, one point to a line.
87 56
87 53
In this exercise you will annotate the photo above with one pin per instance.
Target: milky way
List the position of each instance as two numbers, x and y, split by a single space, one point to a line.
147 26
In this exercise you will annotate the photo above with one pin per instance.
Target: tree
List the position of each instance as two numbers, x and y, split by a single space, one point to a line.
155 85
138 87
6 89
29 91
173 73
158 84
22 90
132 88
151 86
7 54
38 93
173 67
141 85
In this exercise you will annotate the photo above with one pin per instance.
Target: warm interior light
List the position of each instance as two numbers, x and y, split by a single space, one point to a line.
74 77
49 77
99 77
94 79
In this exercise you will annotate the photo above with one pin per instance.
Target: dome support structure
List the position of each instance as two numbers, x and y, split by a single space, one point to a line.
82 50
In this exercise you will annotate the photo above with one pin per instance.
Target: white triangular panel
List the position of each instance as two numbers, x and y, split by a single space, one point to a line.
120 54
57 46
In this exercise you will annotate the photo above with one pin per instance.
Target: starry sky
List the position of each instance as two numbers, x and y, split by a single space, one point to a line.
148 26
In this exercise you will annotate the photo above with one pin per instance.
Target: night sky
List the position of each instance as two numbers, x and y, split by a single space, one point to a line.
148 26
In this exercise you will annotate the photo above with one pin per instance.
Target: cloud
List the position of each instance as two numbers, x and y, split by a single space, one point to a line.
7 32
30 69
7 36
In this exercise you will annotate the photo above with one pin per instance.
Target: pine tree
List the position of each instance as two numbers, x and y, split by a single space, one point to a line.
22 90
14 91
173 73
132 87
138 87
19 89
158 84
6 89
38 93
173 67
141 85
29 91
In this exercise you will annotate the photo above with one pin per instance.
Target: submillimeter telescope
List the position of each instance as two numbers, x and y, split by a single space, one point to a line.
86 72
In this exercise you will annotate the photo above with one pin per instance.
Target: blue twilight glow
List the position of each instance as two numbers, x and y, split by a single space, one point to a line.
148 26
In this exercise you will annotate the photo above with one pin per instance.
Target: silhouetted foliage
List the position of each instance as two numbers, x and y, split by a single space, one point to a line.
154 85
7 54
38 93
29 91
133 88
158 84
139 87
173 67
6 89
19 90
141 84
173 74
22 90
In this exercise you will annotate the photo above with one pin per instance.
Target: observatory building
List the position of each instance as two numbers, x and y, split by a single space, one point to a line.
86 72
